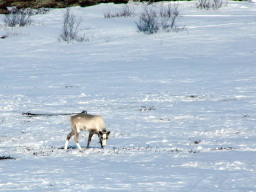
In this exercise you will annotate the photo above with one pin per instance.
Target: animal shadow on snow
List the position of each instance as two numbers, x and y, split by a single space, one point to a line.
83 147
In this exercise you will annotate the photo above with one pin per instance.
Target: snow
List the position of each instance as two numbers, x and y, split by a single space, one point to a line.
180 105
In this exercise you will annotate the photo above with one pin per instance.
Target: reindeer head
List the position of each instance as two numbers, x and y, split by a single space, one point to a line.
103 137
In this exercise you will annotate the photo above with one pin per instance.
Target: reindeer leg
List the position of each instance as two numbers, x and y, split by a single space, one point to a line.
89 139
101 145
68 138
76 140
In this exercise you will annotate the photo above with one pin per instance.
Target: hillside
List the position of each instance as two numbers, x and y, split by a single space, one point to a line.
180 104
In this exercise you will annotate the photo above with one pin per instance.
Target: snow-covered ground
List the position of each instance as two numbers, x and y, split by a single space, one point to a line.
180 106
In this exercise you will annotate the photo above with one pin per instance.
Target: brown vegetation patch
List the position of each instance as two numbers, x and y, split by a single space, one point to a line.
35 4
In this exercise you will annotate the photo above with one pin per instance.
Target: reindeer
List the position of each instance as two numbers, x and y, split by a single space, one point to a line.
92 123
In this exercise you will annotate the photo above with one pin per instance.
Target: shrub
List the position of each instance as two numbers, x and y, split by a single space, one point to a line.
210 4
70 29
148 22
121 1
70 2
3 11
151 20
17 3
18 17
41 10
3 6
84 3
126 12
45 4
169 15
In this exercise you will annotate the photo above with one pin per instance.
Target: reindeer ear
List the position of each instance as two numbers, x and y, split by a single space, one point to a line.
100 132
108 132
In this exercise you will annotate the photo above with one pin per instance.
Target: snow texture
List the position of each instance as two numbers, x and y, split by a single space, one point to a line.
180 105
